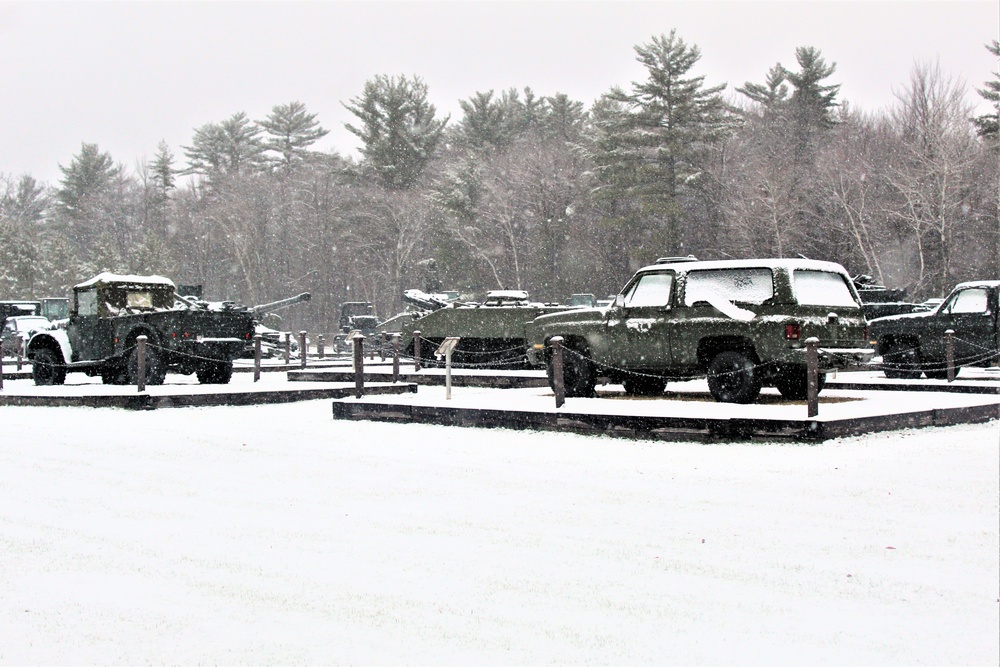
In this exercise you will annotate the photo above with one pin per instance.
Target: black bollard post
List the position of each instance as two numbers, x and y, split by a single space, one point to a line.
359 365
416 351
558 380
812 376
949 353
395 357
141 370
303 350
256 357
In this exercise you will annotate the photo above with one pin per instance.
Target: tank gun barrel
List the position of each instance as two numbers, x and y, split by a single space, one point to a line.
281 303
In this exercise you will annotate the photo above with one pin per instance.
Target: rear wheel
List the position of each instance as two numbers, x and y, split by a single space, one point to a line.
733 377
47 367
901 361
579 373
156 371
792 383
938 374
114 373
215 372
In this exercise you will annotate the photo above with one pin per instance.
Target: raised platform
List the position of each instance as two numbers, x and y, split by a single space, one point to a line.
685 413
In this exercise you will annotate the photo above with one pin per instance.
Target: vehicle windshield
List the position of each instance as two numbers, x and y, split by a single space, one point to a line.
652 289
822 288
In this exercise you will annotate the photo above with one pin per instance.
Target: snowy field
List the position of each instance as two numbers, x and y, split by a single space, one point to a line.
275 535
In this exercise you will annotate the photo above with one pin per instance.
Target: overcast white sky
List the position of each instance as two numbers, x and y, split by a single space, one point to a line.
127 75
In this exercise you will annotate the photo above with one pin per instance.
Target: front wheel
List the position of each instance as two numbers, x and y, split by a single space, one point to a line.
47 367
579 373
733 377
901 361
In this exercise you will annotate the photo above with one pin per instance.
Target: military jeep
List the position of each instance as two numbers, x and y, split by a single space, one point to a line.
109 312
740 323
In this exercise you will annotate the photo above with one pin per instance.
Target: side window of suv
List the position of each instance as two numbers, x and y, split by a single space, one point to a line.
651 290
750 285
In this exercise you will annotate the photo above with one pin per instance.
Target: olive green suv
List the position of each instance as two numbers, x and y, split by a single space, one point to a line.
742 324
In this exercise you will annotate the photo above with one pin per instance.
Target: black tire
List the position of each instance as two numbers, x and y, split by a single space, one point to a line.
644 385
579 373
938 374
156 371
114 373
733 377
215 372
47 367
792 383
901 361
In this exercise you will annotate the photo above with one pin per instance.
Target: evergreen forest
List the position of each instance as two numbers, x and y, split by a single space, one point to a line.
533 191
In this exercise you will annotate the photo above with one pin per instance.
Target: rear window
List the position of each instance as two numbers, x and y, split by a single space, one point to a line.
751 285
822 288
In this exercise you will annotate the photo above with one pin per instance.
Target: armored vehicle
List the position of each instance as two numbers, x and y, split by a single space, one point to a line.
879 301
109 312
741 323
491 332
914 344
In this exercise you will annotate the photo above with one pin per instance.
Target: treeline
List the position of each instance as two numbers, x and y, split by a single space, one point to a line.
532 192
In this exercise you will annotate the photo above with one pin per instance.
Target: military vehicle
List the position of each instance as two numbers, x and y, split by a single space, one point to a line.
741 323
878 300
914 344
18 308
355 316
491 332
109 312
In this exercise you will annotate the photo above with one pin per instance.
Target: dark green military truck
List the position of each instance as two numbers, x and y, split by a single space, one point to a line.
915 343
741 323
109 312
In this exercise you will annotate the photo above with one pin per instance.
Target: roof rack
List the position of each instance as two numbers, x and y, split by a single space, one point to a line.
674 260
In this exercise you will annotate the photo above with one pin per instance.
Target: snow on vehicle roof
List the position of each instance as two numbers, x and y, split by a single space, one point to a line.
107 278
507 294
978 283
772 263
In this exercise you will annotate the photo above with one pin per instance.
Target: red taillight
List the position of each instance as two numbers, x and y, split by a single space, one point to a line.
792 331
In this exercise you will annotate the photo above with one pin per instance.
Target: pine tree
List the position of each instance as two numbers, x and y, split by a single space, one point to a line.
651 143
231 147
88 177
290 132
988 125
398 129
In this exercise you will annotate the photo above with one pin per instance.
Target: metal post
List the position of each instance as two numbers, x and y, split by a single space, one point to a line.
558 381
359 365
20 353
320 345
1 371
395 357
256 357
141 370
949 353
303 350
416 351
288 347
383 338
447 374
812 376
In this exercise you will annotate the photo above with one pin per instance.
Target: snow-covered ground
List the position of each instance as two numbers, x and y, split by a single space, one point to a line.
274 534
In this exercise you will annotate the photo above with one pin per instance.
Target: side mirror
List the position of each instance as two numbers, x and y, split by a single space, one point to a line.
619 301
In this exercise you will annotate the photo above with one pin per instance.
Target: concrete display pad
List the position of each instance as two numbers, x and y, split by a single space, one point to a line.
685 411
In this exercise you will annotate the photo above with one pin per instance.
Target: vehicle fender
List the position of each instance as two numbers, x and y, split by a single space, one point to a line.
57 338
